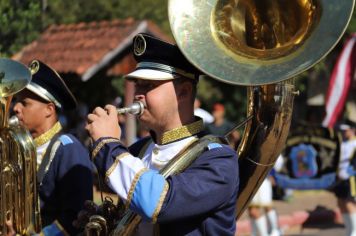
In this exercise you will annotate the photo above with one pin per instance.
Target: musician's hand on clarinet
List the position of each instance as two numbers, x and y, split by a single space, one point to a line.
103 123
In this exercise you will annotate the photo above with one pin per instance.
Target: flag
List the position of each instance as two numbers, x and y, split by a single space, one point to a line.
340 82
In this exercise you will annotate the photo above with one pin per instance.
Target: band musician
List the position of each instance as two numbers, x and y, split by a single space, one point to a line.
64 169
198 201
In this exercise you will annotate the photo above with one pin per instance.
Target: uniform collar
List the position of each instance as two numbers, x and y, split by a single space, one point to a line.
182 132
48 135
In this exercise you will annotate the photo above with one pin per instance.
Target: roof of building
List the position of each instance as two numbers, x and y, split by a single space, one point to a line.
86 48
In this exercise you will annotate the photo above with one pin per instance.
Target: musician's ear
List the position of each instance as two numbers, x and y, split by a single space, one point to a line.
185 90
50 109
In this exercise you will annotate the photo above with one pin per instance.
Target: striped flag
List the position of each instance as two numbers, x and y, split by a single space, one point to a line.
340 82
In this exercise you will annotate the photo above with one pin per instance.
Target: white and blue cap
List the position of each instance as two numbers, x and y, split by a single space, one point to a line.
160 60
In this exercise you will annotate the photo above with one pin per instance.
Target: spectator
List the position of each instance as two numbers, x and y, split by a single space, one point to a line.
345 189
205 115
262 213
222 126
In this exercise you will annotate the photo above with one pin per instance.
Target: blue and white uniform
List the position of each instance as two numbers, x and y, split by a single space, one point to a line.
67 181
199 201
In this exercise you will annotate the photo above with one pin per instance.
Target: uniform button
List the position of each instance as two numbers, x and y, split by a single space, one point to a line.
155 151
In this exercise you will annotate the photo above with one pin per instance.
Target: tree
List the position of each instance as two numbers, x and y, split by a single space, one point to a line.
352 26
20 24
93 10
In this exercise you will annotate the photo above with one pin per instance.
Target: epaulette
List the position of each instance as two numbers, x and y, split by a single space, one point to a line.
65 139
214 145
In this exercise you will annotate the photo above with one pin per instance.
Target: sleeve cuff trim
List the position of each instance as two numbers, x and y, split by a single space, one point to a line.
160 203
114 165
101 144
133 186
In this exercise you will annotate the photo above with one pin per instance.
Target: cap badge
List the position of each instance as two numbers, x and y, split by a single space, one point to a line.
34 67
139 45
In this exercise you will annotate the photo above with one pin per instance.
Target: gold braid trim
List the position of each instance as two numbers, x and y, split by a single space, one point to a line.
48 135
101 144
61 228
182 132
352 186
114 165
133 186
160 203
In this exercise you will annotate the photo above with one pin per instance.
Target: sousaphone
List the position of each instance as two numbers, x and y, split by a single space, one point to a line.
261 45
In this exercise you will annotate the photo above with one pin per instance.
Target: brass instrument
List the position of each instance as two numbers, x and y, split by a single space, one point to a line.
18 190
261 45
103 222
135 108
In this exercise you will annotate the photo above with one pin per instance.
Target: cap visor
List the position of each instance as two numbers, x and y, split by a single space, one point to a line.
37 92
344 127
148 74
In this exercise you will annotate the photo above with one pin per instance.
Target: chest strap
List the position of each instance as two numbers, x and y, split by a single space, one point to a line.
48 157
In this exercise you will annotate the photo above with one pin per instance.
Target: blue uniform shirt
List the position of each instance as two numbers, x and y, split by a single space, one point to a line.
65 187
199 201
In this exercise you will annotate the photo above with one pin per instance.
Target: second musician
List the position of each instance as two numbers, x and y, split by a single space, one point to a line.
64 170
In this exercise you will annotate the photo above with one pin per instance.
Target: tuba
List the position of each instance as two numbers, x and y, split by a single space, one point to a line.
261 45
18 190
258 44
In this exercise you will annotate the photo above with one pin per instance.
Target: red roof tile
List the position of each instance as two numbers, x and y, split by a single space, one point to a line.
85 48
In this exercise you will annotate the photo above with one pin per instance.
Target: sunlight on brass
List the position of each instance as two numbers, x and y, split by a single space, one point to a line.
135 108
254 42
264 136
262 45
263 30
14 77
18 186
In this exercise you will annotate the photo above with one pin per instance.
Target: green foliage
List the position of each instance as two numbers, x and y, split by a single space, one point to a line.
22 20
93 10
234 98
118 84
20 24
352 26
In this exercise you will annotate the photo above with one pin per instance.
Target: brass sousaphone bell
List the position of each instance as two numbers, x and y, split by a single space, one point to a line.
253 42
258 44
